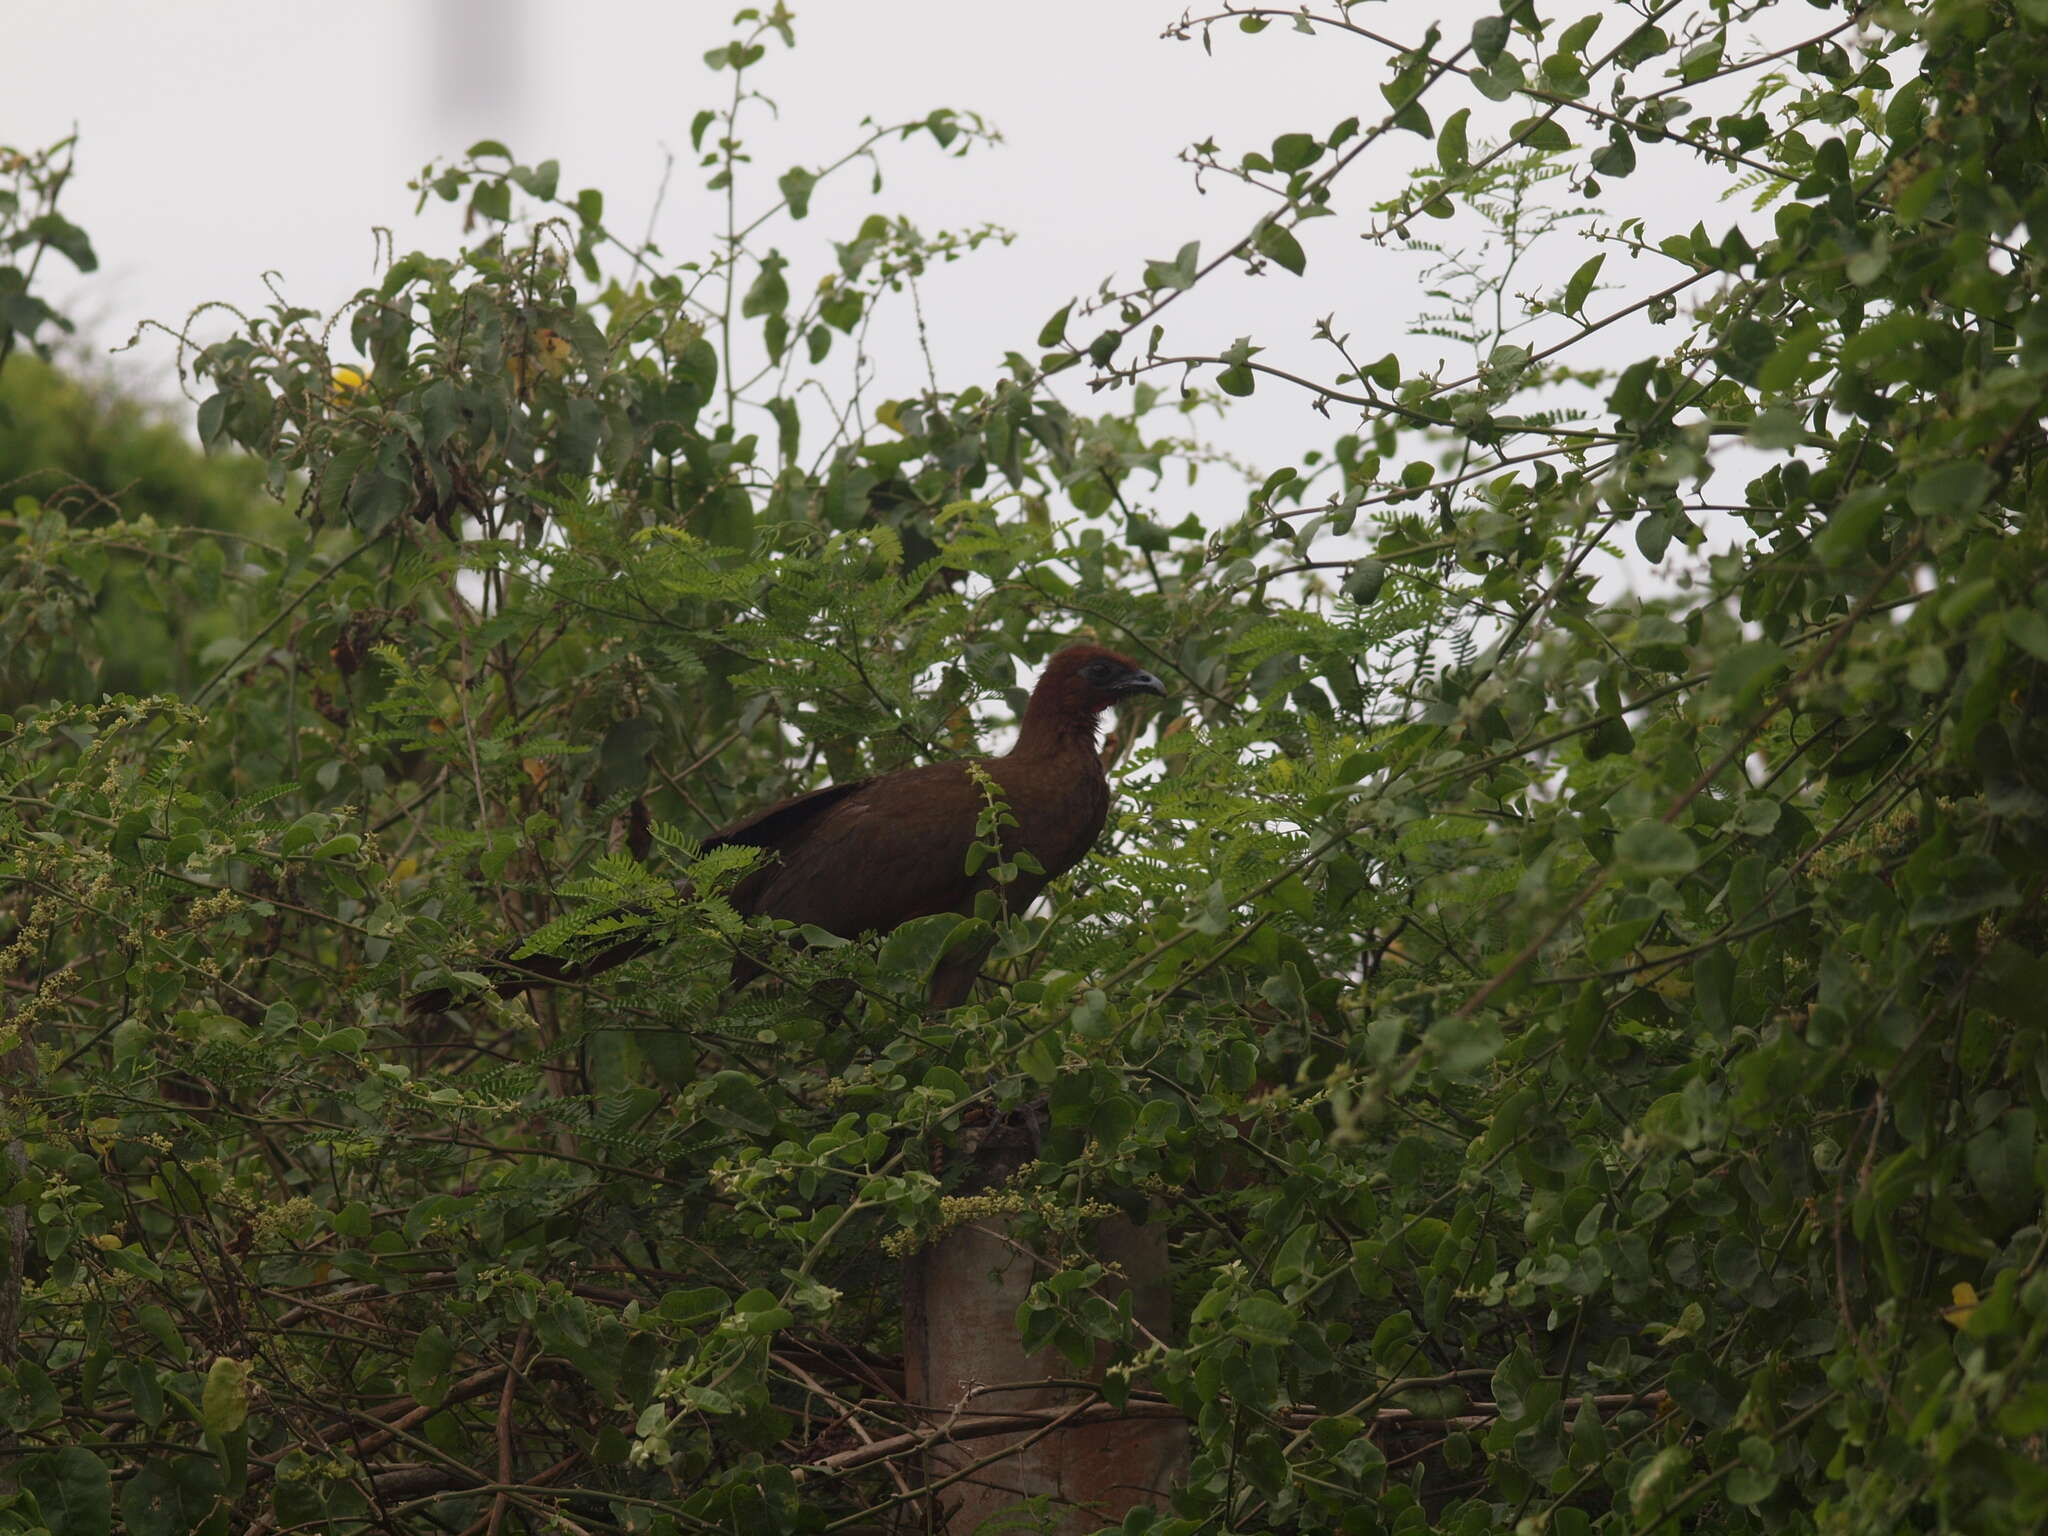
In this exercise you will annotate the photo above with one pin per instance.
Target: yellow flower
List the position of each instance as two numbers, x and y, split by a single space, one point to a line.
550 353
1965 1295
349 381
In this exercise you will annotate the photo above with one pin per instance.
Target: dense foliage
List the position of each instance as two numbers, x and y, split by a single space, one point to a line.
1585 1043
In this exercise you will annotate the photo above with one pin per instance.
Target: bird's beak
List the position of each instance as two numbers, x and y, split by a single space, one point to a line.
1141 682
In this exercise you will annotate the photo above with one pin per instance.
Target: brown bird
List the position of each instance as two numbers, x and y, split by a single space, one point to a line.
871 855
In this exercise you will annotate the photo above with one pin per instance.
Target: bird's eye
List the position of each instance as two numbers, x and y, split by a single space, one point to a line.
1097 672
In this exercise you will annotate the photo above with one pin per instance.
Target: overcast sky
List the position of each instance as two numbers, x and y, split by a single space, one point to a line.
224 138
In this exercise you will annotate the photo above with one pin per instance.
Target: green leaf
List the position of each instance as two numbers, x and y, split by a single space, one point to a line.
1291 1261
1236 380
1263 1320
1866 267
1702 1389
1516 1385
1563 76
1745 345
1054 331
1177 274
158 1324
1779 427
492 200
1965 885
1653 534
213 412
1040 1061
72 1490
1452 152
1544 134
789 428
915 948
1850 525
736 1101
1293 151
1363 582
769 293
1756 815
689 1308
1277 243
1927 667
760 1313
1617 158
1580 288
538 181
2028 629
1956 487
170 1495
2000 1161
1500 81
1489 37
1910 206
1414 118
1748 1487
426 1374
224 1402
795 185
1461 1047
1651 848
841 310
1393 1341
1659 1477
64 237
1645 43
1742 675
1580 33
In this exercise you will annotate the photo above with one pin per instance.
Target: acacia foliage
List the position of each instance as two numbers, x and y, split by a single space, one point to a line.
1585 1043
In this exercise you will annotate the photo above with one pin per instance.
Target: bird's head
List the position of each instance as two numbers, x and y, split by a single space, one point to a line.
1080 682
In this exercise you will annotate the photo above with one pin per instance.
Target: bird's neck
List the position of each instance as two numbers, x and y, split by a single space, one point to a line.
1053 733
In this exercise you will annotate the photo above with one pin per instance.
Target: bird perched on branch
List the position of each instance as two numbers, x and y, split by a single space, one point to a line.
873 854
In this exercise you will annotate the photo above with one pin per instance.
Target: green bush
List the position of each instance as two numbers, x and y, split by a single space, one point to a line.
1586 1044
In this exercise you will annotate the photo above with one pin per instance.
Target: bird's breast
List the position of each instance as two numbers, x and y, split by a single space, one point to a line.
1059 821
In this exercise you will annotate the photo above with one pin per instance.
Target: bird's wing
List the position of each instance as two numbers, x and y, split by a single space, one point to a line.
775 825
891 850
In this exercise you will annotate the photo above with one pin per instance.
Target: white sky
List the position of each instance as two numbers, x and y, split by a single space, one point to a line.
224 138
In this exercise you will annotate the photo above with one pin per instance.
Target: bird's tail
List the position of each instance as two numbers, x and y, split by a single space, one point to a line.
508 977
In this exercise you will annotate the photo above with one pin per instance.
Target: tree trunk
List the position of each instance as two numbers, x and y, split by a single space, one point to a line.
962 1361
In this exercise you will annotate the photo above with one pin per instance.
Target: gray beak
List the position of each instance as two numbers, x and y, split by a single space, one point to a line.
1141 682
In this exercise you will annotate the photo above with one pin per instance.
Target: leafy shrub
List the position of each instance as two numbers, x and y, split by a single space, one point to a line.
1585 1043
